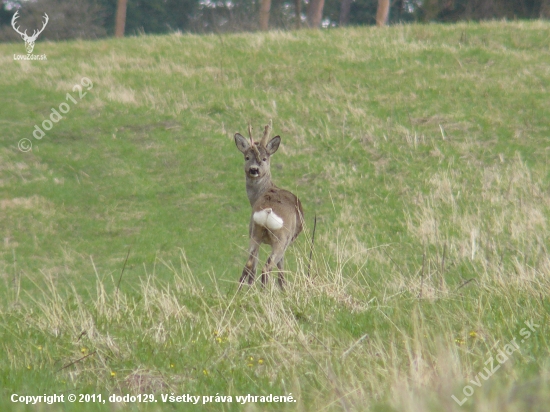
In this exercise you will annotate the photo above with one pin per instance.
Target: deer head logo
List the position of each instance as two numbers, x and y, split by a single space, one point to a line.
29 40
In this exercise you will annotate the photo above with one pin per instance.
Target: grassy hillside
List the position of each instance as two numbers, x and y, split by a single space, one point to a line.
422 150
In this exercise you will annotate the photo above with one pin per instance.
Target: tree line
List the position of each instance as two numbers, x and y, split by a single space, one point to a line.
99 18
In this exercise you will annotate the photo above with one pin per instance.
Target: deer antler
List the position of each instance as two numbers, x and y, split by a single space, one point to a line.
263 142
252 144
250 134
46 20
13 19
24 34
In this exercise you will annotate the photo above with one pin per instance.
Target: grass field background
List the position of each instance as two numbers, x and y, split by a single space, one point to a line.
422 150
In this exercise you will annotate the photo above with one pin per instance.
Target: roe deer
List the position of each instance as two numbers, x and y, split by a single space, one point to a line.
276 213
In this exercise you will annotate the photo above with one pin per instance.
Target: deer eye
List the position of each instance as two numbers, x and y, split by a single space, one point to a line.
247 157
264 159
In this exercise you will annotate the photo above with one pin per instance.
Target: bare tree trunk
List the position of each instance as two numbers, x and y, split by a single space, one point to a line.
345 7
298 10
120 18
120 21
264 14
382 12
315 13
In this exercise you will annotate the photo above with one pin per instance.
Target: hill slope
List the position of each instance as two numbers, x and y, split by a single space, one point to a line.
423 151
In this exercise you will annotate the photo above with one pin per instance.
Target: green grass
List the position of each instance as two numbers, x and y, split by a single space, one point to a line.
422 150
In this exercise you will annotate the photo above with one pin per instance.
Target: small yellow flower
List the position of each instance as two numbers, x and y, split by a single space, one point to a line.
250 365
459 341
219 340
205 372
84 350
29 367
171 365
39 347
260 361
113 374
216 333
251 358
473 334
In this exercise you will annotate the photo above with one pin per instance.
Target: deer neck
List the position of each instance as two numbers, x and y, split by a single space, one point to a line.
255 188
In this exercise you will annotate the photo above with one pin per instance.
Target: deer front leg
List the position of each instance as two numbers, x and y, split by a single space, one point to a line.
249 271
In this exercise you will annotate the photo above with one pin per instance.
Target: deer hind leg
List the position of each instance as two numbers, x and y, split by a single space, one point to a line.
274 259
249 271
281 278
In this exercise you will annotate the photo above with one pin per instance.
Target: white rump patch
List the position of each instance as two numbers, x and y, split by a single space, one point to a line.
267 218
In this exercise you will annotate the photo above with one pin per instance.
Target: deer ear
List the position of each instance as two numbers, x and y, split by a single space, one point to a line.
242 144
272 146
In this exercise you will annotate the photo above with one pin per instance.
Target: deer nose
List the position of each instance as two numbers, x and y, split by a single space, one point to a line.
254 171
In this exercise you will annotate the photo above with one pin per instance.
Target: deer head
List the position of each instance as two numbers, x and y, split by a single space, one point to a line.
29 40
276 213
257 156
